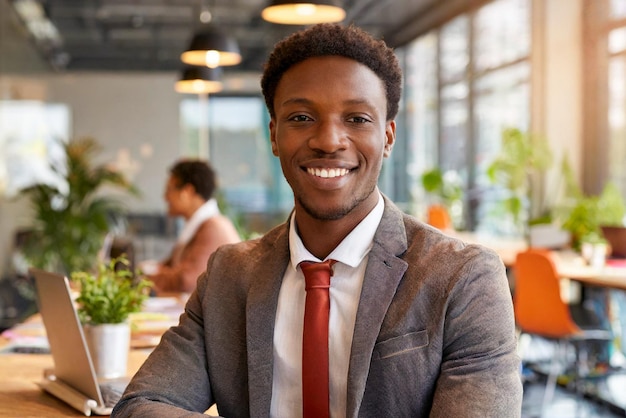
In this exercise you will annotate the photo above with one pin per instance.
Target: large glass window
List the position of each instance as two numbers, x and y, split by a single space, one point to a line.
454 95
232 133
616 147
466 82
32 134
421 98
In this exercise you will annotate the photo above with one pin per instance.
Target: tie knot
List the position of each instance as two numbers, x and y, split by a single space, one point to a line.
317 275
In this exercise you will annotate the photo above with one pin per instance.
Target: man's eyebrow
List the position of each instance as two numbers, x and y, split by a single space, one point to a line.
296 100
304 101
358 102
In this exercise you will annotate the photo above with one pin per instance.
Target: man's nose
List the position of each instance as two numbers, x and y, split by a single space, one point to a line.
330 136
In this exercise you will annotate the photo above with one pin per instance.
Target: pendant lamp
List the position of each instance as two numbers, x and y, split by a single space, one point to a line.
199 80
211 48
307 12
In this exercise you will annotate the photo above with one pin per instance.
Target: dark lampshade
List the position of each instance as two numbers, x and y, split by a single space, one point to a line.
294 12
212 48
198 80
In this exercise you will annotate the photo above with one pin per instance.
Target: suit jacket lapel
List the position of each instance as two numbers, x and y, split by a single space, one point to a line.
261 314
382 276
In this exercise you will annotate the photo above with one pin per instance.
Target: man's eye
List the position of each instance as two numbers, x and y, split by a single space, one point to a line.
358 119
300 118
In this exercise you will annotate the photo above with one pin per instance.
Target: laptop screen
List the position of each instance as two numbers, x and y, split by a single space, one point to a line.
72 362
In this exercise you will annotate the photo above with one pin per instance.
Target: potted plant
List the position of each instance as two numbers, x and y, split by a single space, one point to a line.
105 301
521 163
447 192
588 216
70 224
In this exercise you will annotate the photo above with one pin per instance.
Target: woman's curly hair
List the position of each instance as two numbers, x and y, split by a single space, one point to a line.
333 39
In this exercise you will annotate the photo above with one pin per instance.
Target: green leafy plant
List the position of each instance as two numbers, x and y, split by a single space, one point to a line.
447 190
110 295
611 206
70 225
442 185
522 158
587 213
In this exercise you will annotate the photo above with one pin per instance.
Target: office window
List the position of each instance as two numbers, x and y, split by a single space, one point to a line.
32 134
616 46
421 110
232 132
502 34
466 81
454 95
618 9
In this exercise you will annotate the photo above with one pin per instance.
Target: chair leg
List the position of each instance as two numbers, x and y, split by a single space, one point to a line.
581 370
548 394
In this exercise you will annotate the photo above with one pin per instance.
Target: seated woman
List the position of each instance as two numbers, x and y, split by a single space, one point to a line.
189 194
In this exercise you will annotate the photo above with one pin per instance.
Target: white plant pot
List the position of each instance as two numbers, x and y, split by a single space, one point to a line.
594 253
109 345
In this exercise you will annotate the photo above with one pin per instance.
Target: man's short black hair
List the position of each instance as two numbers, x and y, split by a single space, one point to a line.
198 173
333 39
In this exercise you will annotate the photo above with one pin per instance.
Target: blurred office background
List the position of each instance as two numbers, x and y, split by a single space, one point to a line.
554 70
106 69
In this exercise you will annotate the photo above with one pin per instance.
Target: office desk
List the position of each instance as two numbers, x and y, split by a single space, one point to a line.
572 266
21 397
568 263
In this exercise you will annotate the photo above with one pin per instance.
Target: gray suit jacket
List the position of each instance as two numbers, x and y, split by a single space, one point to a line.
434 333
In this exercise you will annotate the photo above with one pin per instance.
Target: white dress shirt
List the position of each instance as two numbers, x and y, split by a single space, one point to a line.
345 291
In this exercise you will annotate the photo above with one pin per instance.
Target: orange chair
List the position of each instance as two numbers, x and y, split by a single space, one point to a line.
540 311
438 217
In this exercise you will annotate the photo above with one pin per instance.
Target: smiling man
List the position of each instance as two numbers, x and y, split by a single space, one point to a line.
414 323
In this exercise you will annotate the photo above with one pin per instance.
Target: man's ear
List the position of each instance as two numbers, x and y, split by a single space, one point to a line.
390 137
273 137
189 188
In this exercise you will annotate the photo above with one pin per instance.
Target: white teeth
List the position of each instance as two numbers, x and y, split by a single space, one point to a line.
327 172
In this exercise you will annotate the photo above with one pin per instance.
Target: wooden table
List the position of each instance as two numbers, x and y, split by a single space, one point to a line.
572 266
21 397
569 264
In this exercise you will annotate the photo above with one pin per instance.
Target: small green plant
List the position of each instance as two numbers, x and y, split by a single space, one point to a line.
110 295
588 213
521 158
445 186
447 190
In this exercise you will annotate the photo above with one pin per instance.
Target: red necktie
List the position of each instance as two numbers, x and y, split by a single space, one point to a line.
315 339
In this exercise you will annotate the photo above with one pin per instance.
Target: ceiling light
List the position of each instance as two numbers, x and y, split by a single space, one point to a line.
199 80
213 49
293 12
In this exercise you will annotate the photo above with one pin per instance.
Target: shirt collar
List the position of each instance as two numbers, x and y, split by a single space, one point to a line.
351 250
208 210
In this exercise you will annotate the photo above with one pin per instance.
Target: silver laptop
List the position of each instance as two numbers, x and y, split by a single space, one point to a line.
73 378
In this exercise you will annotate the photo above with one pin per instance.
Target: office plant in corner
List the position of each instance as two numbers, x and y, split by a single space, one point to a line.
105 301
70 225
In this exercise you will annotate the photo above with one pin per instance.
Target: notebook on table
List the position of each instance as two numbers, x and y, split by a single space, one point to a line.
73 378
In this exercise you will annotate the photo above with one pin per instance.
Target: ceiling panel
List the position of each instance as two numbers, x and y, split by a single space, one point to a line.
150 35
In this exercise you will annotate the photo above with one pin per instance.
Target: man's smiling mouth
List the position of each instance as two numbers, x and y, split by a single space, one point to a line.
328 172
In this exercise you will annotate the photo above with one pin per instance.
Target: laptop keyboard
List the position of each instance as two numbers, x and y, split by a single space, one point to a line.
26 349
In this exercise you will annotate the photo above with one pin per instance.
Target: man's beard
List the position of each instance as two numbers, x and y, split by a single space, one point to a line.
334 214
